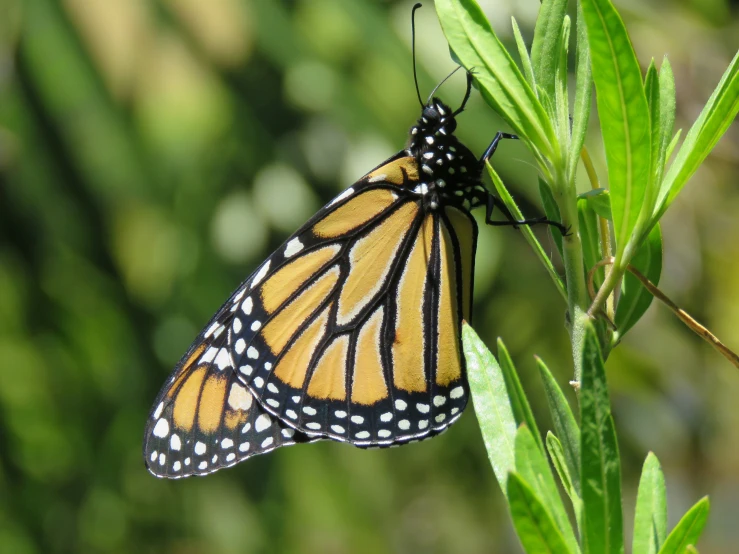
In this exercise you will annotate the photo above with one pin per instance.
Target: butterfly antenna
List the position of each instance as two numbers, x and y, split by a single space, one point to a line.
442 82
413 50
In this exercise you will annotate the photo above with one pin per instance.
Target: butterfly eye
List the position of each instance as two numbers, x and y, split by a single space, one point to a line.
431 113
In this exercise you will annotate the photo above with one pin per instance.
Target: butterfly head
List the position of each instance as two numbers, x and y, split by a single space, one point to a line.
437 119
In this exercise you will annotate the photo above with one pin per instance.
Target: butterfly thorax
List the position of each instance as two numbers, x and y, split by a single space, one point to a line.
447 168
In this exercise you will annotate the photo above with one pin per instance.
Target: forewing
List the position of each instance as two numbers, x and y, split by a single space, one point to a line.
356 335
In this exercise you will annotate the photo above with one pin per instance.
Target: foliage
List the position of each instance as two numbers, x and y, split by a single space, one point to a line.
636 115
153 153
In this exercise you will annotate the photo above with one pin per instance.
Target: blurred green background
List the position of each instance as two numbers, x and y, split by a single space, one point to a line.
152 153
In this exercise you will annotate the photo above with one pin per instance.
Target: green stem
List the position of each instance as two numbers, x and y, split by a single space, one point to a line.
577 295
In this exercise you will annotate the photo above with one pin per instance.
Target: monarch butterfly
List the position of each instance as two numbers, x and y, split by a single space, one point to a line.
351 330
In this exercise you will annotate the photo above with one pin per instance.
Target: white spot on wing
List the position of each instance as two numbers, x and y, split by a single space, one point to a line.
386 417
423 408
255 325
267 442
161 429
240 346
246 369
313 425
158 411
200 448
293 247
209 355
212 328
239 398
222 359
227 443
308 410
457 392
400 405
362 435
252 353
263 422
337 429
261 274
383 433
404 424
247 306
357 419
174 442
439 400
347 193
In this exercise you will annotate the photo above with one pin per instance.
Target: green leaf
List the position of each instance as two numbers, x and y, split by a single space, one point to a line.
600 202
623 113
590 237
561 94
715 118
688 530
652 91
634 298
564 423
650 518
666 111
523 53
583 95
600 466
673 144
516 395
545 48
492 406
528 234
534 525
556 453
552 211
500 81
532 466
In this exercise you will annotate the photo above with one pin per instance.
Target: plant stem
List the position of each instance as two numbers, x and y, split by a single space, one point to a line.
577 296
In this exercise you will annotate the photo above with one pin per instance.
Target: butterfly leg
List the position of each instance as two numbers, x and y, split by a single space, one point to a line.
466 94
492 201
494 146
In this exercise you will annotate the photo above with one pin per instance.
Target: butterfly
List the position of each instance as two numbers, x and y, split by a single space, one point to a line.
349 331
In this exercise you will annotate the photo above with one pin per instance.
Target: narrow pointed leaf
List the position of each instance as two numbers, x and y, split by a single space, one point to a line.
590 237
526 231
545 48
600 466
519 403
583 94
716 116
652 90
564 423
532 466
523 53
556 453
650 518
492 405
500 81
623 113
634 298
552 211
667 109
534 525
688 530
